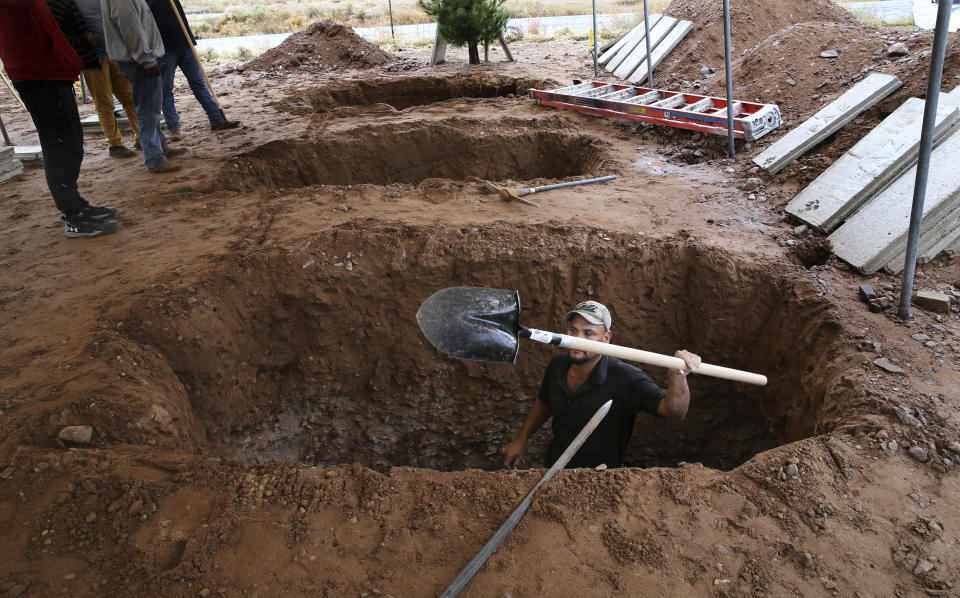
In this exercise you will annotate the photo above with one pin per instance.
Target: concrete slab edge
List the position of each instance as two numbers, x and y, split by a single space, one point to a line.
823 124
10 165
12 174
811 205
619 53
932 242
872 237
639 55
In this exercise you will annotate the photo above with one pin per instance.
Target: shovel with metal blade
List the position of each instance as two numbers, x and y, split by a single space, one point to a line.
517 194
483 324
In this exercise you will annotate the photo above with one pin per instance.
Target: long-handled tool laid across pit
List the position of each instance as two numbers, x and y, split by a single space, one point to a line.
484 325
518 194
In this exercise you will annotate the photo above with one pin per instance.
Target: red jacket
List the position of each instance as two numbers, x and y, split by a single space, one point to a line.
32 45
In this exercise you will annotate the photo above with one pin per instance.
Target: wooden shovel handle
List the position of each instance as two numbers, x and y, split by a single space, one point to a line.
628 354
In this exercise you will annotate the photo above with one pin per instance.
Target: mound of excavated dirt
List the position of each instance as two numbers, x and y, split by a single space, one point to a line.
751 22
786 68
322 47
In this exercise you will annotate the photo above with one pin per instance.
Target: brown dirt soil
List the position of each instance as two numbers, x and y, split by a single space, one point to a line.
268 419
751 21
322 47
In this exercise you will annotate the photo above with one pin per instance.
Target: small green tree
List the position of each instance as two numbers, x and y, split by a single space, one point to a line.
468 22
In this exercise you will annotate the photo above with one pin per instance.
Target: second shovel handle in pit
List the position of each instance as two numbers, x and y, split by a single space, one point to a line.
629 354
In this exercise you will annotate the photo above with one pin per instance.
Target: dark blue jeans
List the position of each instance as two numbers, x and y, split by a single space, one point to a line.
147 96
184 58
54 111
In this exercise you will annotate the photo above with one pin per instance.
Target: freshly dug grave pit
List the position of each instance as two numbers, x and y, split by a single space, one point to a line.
310 351
410 152
408 92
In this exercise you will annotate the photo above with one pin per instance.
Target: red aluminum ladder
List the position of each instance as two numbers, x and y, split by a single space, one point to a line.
660 107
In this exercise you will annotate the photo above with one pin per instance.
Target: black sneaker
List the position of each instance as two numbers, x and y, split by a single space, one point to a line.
121 151
99 213
79 227
224 124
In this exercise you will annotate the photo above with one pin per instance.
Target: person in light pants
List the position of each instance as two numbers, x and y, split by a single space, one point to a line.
105 81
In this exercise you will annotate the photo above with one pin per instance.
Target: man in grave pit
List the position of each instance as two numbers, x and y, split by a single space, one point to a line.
576 384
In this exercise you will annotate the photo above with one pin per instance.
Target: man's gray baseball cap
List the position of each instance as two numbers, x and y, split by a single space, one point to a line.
591 311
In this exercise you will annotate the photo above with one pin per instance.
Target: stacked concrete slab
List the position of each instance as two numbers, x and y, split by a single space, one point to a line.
953 250
9 165
876 236
627 59
612 57
871 165
91 124
29 154
659 53
827 121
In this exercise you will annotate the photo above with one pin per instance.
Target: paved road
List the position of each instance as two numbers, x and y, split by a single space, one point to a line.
529 26
887 10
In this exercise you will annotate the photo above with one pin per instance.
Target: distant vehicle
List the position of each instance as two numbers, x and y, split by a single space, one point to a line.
925 14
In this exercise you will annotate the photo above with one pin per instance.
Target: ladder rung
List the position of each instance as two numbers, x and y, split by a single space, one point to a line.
673 101
737 110
646 98
596 91
621 95
575 89
701 106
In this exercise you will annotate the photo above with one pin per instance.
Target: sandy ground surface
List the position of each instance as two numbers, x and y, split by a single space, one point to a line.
269 421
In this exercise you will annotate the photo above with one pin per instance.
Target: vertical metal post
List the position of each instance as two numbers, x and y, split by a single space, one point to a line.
596 58
728 59
646 29
926 148
390 5
3 129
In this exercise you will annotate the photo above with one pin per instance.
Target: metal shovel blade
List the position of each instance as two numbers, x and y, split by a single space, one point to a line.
474 323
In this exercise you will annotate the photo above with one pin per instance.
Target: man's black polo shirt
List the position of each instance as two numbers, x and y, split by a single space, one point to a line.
632 391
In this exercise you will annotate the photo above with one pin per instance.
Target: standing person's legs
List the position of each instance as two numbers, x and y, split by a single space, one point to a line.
168 71
98 82
194 73
124 94
147 95
54 112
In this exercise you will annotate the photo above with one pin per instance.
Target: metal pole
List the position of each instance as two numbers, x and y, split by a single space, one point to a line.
390 4
646 29
596 52
926 147
3 129
728 59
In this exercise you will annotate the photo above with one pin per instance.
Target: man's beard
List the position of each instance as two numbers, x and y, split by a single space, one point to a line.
583 360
